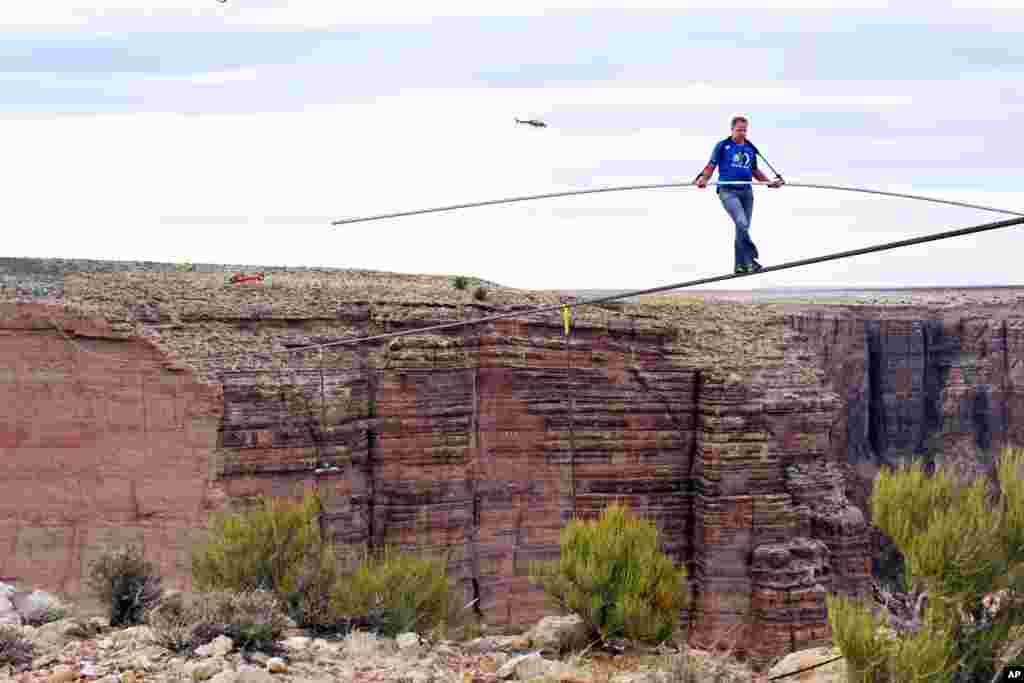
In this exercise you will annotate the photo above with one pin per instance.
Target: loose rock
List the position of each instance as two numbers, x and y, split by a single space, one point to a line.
62 674
558 634
218 647
276 665
829 673
406 641
249 674
203 669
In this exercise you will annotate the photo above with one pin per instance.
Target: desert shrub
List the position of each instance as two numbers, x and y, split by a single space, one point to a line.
15 650
612 573
460 282
274 546
393 591
126 583
858 634
963 546
254 620
480 293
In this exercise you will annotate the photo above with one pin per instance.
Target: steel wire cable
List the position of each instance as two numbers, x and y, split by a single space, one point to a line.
625 188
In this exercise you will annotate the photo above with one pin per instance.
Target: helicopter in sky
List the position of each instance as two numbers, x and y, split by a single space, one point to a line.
536 123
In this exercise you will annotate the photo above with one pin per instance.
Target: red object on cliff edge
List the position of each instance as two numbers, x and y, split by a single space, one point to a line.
241 277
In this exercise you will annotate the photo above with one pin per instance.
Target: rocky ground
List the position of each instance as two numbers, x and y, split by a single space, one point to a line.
82 648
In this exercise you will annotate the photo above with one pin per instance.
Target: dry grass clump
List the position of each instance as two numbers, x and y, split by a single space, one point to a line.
253 619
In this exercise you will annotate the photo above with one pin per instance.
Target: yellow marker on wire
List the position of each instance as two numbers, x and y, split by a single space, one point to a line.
566 318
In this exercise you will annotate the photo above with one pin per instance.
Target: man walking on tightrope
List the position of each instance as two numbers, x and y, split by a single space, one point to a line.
736 159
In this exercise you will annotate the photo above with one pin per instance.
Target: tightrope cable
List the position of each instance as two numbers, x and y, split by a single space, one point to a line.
625 188
806 668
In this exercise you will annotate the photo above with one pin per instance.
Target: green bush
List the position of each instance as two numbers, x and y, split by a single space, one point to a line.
394 591
275 546
858 633
460 282
963 546
126 583
15 650
612 572
254 620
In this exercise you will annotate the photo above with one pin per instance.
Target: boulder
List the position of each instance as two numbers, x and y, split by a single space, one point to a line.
834 672
529 666
9 616
641 677
225 677
276 665
34 606
419 676
558 634
359 644
204 669
77 628
218 647
62 674
407 641
250 674
297 643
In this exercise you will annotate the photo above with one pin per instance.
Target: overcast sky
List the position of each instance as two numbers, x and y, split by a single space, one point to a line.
195 130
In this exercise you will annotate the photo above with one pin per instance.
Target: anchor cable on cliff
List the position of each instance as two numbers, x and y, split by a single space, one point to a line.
625 188
805 669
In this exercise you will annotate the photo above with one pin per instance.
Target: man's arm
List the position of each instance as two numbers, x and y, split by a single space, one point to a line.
705 175
765 179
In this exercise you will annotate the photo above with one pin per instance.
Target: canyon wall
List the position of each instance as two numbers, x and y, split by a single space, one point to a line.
921 383
478 447
100 447
926 384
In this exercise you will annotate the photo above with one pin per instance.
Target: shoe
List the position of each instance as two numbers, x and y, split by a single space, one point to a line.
743 270
755 266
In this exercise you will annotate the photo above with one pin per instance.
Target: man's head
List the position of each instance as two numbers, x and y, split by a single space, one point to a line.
739 128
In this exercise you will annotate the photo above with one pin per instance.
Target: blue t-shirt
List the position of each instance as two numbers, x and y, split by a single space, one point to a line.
734 161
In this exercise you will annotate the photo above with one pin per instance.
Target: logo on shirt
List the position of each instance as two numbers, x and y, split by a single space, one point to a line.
741 159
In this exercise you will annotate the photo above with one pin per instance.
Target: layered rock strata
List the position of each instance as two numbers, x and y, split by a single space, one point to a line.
751 435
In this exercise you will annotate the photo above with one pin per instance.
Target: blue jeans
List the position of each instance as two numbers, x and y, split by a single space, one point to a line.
740 207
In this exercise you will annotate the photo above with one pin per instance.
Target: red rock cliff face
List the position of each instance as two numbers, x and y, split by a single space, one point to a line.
479 446
920 381
97 449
